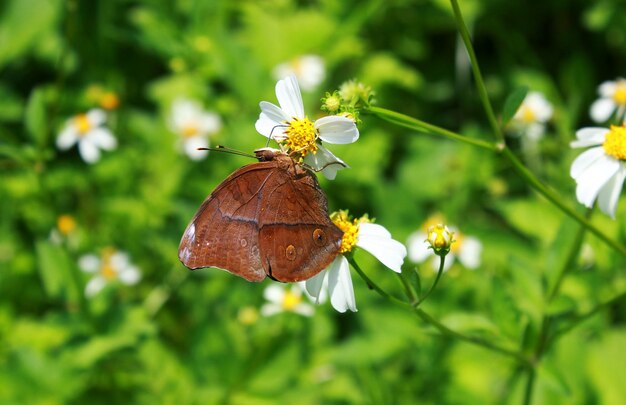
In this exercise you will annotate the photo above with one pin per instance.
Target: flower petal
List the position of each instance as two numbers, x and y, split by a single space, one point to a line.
377 240
271 309
610 192
304 309
469 253
418 247
68 137
314 287
96 117
594 178
337 130
102 138
602 109
340 285
89 263
191 146
88 151
274 293
584 160
94 286
607 88
325 162
289 97
210 123
130 275
271 120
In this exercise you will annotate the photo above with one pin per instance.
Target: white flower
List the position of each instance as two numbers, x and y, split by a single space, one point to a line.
194 125
373 238
531 117
600 171
283 300
289 126
308 69
466 248
111 265
612 98
88 131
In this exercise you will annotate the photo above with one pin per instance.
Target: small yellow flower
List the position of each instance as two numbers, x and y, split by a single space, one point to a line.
66 224
248 315
440 239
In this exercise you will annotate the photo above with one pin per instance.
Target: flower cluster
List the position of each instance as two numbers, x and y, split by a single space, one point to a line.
194 125
531 117
111 265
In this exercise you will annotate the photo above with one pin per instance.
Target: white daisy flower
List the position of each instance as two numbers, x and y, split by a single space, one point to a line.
194 125
466 249
361 233
600 171
89 132
308 69
299 136
282 299
111 265
612 99
531 117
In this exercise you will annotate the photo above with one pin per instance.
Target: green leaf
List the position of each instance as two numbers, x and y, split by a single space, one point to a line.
512 103
554 379
54 269
36 117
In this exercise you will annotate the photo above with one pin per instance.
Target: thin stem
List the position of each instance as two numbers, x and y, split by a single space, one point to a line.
580 318
528 390
555 199
470 339
444 330
480 85
432 287
418 125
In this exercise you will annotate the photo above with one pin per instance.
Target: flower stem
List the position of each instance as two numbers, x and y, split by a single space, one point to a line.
480 85
439 273
444 330
418 125
555 199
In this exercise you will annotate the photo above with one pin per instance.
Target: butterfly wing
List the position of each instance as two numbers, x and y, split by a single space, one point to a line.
297 239
224 232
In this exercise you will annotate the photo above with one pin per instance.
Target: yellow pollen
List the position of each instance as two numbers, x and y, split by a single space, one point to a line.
528 115
301 137
66 224
82 124
109 101
189 130
107 270
620 94
291 300
615 142
350 229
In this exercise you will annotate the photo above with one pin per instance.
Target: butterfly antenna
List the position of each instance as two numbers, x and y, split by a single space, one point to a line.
272 133
226 149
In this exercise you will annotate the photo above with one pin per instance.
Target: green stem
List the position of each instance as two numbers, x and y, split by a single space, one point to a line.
580 318
480 85
439 273
444 330
418 125
554 199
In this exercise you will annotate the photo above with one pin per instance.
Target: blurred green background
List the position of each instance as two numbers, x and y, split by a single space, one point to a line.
183 337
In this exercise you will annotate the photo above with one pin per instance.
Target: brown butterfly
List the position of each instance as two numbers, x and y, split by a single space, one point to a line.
268 218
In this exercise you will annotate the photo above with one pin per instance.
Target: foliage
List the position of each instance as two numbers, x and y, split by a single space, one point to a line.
179 336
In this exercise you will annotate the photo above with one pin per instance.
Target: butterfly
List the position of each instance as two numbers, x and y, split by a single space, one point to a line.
267 219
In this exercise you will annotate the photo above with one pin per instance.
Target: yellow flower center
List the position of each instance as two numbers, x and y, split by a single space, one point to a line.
248 315
350 229
291 300
66 224
620 93
82 124
528 116
301 137
107 269
189 130
615 142
109 101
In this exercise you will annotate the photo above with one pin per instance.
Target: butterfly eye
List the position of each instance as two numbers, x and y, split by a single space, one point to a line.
319 237
290 252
